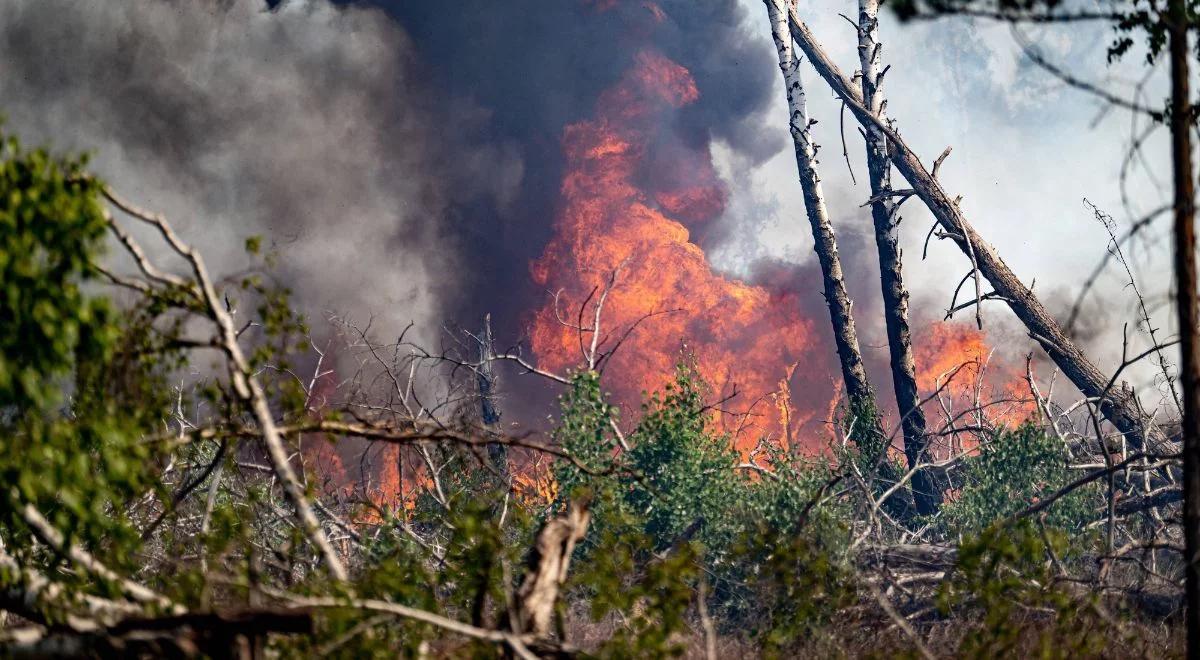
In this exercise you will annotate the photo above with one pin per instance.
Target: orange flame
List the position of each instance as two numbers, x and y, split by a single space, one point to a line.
752 338
740 335
957 358
533 481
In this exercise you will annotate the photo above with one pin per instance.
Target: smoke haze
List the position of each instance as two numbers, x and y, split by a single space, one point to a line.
309 125
406 160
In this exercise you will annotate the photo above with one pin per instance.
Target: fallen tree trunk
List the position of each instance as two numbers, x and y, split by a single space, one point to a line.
1118 403
923 557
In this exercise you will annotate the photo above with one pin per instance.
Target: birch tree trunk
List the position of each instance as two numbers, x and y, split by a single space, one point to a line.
858 390
1118 402
927 493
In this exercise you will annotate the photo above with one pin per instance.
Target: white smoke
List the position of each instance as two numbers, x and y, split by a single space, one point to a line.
309 125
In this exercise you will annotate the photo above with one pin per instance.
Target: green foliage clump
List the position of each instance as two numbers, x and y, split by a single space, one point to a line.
686 473
51 230
585 431
1010 473
75 393
651 591
1005 578
798 584
679 491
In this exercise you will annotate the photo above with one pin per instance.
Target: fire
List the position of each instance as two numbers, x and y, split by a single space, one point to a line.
943 348
742 336
321 458
957 358
633 199
533 481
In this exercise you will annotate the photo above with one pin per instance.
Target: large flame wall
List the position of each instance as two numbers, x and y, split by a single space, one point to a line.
740 335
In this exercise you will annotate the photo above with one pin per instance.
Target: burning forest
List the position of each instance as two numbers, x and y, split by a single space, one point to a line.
607 328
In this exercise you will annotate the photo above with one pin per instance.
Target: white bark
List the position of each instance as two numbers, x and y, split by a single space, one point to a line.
853 373
548 567
1118 401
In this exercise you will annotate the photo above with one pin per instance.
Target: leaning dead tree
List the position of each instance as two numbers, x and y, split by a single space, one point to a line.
1117 401
858 389
885 216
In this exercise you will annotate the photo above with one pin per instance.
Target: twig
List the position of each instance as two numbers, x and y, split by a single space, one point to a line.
245 383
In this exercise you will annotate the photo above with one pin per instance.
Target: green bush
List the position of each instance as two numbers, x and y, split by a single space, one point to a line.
1011 472
757 534
74 394
1004 588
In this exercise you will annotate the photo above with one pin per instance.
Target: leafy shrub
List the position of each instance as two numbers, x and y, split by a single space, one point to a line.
1004 583
1013 471
73 398
758 534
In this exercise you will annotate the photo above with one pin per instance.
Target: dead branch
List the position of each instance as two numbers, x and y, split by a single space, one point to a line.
1120 407
245 383
548 564
900 622
49 535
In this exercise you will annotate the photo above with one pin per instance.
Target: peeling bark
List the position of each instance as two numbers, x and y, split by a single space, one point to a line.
927 493
548 566
858 389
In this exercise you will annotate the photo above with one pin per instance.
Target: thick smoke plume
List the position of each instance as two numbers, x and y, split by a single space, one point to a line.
541 66
404 158
309 125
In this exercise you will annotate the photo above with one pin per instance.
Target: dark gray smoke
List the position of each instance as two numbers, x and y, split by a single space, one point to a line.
402 155
310 125
539 65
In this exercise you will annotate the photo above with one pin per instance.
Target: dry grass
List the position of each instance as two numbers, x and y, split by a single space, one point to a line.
860 634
